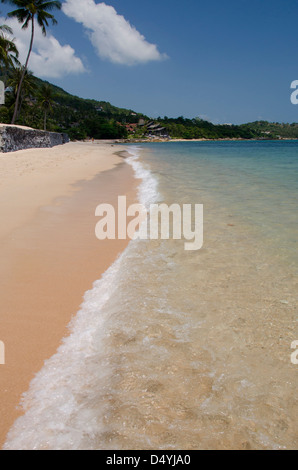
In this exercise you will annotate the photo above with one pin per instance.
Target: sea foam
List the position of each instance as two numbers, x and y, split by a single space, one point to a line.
176 350
55 416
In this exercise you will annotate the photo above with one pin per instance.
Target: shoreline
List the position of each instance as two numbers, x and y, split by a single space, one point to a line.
158 141
140 348
50 256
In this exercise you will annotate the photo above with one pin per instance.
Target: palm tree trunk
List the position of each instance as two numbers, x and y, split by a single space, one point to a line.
23 75
45 120
19 110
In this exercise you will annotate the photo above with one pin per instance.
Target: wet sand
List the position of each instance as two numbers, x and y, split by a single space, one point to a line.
49 253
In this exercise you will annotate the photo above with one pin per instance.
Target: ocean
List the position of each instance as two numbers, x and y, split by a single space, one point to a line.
187 350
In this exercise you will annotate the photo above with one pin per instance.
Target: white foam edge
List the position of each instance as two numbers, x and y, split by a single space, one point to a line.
51 399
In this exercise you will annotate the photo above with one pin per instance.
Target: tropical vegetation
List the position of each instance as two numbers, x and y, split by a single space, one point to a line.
27 12
8 51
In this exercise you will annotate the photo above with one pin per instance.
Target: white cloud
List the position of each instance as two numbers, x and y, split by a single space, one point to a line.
113 37
49 58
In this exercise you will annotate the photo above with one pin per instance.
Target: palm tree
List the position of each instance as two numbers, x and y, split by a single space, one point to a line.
8 51
28 85
26 13
46 99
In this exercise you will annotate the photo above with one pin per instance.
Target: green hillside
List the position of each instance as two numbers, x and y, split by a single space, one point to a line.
81 118
262 129
78 117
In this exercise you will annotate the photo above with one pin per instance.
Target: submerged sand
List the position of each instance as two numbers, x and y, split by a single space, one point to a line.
49 254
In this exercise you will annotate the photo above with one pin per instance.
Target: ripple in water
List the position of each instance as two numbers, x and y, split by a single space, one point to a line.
185 350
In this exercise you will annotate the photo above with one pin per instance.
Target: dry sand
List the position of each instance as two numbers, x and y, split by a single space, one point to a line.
49 254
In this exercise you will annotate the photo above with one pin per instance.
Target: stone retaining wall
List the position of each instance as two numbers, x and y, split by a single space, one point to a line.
18 138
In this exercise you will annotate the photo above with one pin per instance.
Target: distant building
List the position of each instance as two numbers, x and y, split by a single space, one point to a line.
131 128
156 130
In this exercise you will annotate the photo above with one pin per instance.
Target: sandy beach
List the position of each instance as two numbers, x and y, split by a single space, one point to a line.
49 254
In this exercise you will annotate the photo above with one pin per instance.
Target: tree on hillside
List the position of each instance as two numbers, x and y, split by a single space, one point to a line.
26 13
28 85
46 100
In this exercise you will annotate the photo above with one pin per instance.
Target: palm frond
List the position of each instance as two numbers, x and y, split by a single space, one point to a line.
26 12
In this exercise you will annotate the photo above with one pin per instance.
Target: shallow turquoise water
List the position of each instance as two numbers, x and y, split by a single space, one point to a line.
186 350
254 181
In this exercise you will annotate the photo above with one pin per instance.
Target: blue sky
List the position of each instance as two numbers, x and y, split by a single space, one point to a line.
225 60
